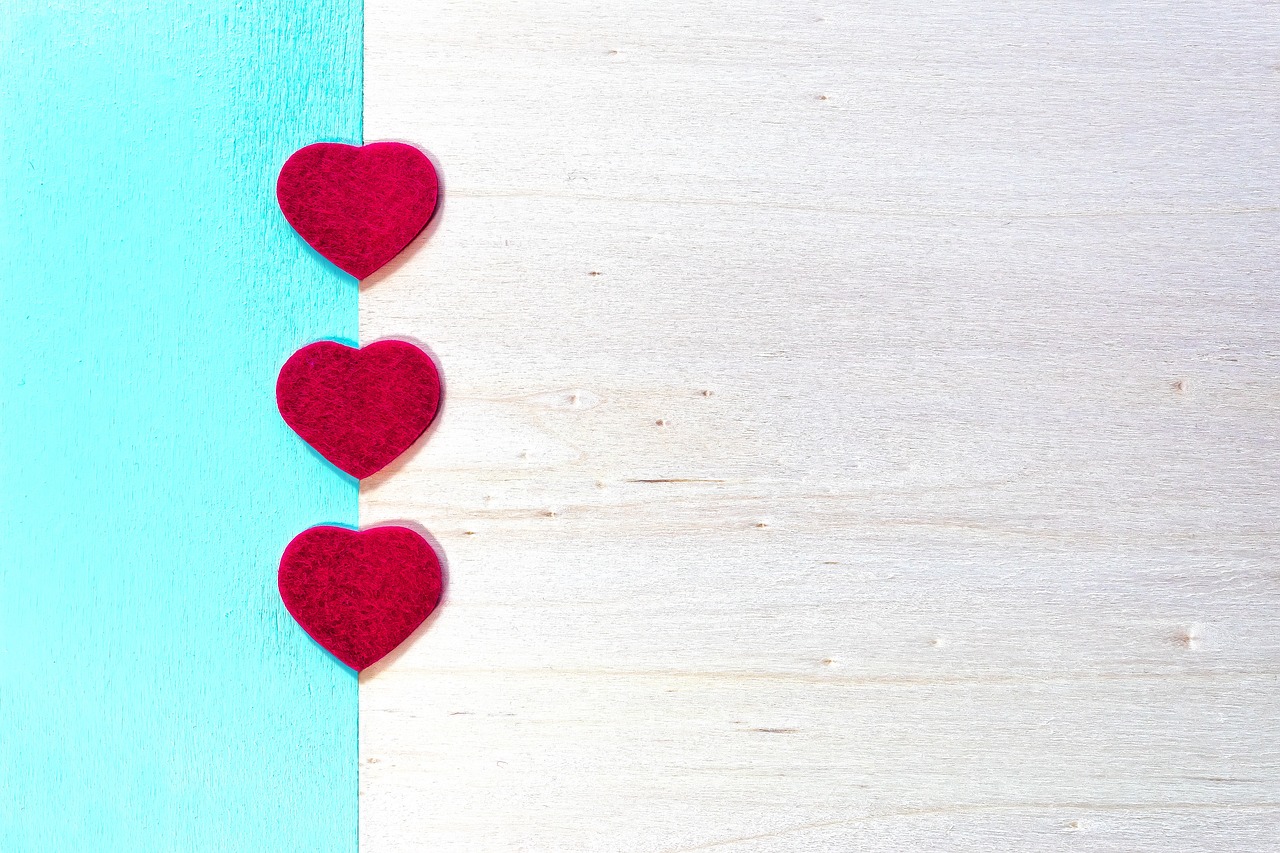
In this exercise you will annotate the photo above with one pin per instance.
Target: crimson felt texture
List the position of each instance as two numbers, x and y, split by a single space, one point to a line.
360 593
359 206
359 408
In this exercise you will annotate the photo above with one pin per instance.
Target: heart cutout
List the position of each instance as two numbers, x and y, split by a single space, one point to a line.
359 408
359 206
360 593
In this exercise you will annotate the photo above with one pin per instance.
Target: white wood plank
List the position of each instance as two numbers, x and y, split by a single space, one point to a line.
861 427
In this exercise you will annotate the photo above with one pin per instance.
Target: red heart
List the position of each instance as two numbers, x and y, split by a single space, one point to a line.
358 205
359 408
360 593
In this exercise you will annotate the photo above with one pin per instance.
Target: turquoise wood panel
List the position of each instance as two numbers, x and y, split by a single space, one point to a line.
154 693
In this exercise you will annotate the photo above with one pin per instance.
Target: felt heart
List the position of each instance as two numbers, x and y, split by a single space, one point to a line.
358 205
359 408
360 593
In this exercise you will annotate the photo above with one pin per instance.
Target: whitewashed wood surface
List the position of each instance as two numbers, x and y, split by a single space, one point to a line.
861 427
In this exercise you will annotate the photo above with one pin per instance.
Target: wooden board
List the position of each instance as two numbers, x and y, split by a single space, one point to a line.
861 427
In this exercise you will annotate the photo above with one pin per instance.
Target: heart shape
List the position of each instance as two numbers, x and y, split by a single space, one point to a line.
359 206
360 593
359 408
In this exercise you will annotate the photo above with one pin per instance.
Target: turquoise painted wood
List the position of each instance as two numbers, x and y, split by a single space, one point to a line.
154 693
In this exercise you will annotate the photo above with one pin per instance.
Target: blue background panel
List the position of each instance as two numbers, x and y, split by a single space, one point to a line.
154 693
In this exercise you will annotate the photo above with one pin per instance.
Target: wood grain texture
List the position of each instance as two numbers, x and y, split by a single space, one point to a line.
860 427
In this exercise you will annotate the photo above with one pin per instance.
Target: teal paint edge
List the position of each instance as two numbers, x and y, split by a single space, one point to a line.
154 694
